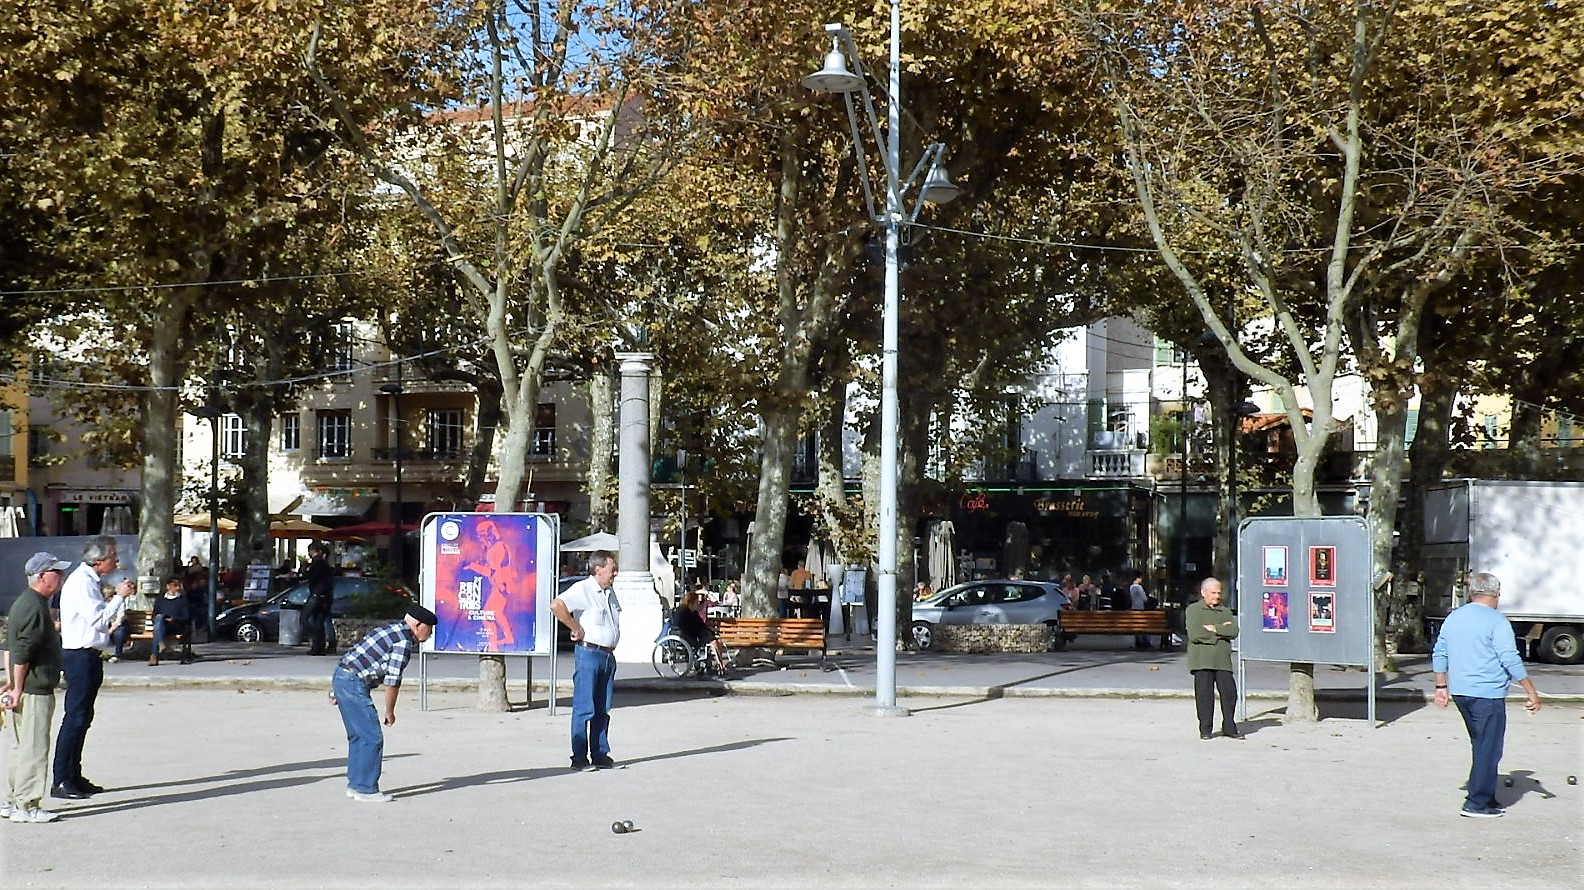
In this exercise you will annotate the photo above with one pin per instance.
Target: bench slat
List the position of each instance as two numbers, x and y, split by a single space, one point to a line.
772 633
1150 622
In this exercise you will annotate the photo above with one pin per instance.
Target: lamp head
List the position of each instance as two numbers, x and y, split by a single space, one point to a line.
938 187
834 77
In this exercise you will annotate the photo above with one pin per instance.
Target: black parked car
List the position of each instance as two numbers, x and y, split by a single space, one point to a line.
260 622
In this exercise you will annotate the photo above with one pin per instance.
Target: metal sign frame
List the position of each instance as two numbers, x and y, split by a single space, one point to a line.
476 571
1304 594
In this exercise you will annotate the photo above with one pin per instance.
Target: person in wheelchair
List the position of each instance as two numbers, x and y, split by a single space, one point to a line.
687 622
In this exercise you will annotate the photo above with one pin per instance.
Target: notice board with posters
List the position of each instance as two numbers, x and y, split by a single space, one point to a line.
1304 593
489 578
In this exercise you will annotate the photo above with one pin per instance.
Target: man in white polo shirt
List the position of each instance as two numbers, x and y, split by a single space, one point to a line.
85 617
591 611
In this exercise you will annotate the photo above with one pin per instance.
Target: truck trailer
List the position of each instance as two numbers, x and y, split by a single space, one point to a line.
1530 535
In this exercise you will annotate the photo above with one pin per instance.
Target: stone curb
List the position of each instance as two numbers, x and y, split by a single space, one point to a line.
760 688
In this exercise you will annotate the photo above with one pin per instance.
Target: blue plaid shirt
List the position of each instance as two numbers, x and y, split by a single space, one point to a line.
382 656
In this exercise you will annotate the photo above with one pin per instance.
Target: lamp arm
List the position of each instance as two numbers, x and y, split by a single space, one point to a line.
926 161
892 182
858 156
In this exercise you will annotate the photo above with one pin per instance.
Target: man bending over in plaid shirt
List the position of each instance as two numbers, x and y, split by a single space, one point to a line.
377 661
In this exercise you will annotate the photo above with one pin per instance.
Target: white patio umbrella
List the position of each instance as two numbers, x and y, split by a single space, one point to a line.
8 522
596 541
942 555
817 562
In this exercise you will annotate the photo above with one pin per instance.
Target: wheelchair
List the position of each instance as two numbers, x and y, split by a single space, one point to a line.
676 658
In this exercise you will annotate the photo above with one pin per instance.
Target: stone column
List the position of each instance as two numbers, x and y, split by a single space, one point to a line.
642 615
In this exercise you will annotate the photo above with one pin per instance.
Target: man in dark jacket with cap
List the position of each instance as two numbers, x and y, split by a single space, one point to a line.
33 670
377 661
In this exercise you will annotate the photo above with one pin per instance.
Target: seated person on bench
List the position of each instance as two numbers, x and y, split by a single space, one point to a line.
171 618
687 622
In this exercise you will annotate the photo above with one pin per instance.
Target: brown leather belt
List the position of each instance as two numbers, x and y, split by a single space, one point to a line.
597 646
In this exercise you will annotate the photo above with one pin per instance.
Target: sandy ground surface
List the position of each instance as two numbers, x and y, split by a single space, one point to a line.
242 785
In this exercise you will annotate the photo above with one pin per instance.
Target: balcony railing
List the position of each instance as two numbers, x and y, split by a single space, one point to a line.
1119 463
421 455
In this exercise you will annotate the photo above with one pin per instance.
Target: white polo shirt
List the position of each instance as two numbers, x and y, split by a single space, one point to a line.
85 614
597 610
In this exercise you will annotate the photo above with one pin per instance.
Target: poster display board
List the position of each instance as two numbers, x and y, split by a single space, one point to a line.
1304 593
490 577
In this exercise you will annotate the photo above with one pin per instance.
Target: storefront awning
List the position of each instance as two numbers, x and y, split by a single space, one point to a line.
327 503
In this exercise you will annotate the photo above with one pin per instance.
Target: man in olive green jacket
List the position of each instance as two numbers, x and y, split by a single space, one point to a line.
1211 629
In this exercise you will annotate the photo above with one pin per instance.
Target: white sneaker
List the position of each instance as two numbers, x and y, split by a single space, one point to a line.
6 809
33 815
367 797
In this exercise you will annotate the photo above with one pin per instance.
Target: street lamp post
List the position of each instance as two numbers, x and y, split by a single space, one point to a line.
211 413
835 77
394 390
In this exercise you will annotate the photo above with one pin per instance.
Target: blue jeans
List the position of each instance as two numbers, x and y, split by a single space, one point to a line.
84 672
365 738
118 639
163 628
1486 719
593 685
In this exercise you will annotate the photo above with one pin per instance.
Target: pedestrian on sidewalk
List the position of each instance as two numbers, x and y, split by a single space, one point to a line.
32 671
316 626
1211 629
377 661
1475 659
591 611
86 619
1138 601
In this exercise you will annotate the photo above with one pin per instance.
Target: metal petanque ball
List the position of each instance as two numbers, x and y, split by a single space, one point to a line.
1572 780
1509 783
619 827
627 825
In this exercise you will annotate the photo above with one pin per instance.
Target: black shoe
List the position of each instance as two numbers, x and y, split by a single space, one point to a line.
1204 735
581 766
91 788
1234 734
67 792
604 763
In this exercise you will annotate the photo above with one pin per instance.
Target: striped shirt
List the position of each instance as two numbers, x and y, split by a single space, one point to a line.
382 655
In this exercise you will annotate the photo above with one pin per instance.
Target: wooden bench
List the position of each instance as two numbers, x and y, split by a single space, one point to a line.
1148 622
140 626
800 634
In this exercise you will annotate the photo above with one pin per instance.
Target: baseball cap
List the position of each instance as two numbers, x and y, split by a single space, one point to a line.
45 562
423 615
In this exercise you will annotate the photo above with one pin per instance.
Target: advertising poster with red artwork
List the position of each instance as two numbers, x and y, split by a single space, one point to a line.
1273 610
484 573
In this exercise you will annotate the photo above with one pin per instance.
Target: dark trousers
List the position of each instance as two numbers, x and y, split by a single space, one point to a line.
84 673
1486 720
314 615
1208 683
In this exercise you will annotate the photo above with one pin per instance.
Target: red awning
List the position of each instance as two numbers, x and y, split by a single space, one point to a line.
363 530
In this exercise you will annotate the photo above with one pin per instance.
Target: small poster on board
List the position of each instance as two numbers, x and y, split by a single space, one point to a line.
1273 610
1275 565
1322 566
1322 613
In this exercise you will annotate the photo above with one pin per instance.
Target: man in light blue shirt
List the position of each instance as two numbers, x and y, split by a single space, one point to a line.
1475 660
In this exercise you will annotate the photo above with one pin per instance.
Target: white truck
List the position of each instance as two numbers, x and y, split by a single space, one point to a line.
1528 534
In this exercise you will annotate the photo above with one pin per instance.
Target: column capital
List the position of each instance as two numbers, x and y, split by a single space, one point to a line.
635 362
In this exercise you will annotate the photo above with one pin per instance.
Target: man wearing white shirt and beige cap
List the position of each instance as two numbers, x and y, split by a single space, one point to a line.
85 617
